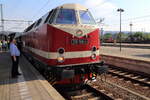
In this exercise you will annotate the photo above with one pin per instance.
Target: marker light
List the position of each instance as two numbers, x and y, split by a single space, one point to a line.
93 48
93 56
91 75
61 50
60 59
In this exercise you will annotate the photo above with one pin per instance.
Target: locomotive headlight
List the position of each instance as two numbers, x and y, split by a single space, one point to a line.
93 56
60 59
61 52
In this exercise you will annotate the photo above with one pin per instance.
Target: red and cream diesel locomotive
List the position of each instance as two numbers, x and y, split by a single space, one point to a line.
66 43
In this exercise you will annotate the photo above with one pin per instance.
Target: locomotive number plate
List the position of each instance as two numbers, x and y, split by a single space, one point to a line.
79 41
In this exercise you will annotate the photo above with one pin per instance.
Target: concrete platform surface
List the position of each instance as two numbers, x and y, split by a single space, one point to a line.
134 45
133 53
28 86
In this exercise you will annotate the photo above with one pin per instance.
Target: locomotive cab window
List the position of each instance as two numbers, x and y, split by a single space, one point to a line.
86 17
66 16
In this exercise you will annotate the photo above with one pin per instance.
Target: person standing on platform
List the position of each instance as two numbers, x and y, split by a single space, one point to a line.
15 53
0 46
19 45
5 45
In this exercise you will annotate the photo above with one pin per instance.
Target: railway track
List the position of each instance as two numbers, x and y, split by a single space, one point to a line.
118 92
85 92
125 84
129 76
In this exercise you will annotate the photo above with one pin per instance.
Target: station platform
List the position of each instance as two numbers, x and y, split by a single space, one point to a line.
127 45
28 86
133 53
133 59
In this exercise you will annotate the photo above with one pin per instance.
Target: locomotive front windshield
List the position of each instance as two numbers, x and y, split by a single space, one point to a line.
86 17
66 16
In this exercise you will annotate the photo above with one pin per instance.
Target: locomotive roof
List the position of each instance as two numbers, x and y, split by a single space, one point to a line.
73 6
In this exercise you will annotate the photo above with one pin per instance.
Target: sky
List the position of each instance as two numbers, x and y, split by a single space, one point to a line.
136 12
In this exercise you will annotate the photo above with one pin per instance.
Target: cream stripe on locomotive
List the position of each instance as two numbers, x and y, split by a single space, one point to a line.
67 55
72 29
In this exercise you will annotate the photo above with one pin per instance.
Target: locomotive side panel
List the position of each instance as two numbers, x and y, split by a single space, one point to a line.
37 43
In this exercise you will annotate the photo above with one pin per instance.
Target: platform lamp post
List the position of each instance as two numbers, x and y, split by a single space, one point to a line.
131 32
120 10
102 35
2 19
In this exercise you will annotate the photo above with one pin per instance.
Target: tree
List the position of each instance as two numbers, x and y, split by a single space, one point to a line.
140 36
107 36
146 36
124 36
137 36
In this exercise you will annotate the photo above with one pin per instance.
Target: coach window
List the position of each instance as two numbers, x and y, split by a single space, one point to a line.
66 16
86 17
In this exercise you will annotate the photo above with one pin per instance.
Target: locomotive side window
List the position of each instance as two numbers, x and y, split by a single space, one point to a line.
66 16
50 13
38 22
29 28
52 16
86 17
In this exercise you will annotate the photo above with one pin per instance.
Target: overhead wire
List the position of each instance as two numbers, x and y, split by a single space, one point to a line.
14 25
45 4
41 8
16 6
140 17
134 20
21 22
100 4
